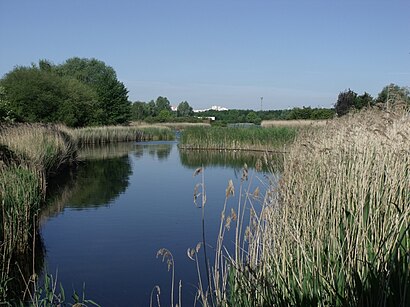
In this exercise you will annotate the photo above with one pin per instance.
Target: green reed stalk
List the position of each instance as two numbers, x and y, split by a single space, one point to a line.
110 134
218 138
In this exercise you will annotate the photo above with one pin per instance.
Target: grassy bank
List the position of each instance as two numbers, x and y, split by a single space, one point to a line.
256 139
338 231
29 155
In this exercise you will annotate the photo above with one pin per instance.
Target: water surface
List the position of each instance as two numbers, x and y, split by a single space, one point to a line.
107 221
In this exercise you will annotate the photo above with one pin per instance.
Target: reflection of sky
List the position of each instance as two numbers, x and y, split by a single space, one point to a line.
113 248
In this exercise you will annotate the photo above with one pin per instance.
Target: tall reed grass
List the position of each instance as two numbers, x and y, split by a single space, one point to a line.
41 147
29 154
335 232
110 134
257 139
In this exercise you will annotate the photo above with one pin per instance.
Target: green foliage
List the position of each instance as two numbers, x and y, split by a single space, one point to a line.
363 101
99 182
139 111
345 102
184 109
263 139
241 116
164 116
393 94
6 113
162 103
112 105
252 117
78 93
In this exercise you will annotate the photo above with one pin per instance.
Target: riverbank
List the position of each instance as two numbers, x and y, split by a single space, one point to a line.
338 231
30 154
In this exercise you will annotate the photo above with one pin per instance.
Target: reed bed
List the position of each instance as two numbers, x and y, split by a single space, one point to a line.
174 126
111 134
29 154
41 147
294 123
334 232
252 139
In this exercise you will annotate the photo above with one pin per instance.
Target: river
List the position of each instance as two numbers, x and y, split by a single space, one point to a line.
107 219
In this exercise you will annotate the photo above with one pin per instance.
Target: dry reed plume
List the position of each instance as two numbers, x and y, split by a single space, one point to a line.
338 231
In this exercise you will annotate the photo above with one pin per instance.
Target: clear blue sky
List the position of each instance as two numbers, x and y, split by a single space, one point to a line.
220 52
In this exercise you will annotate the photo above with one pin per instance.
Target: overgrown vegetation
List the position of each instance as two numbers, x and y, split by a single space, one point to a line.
219 138
335 231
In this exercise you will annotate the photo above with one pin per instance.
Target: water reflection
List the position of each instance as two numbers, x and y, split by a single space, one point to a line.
233 159
144 199
107 151
159 150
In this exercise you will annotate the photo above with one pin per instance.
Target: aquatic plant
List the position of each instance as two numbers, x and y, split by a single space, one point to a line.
335 231
110 134
253 138
41 147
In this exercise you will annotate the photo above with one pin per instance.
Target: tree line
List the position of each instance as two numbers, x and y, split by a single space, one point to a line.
391 95
86 92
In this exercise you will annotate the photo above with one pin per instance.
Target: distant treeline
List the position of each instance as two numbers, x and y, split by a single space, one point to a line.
250 116
86 92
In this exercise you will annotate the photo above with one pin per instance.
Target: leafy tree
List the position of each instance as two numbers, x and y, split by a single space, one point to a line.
113 106
164 115
162 103
46 65
345 102
393 94
113 102
184 109
79 92
252 117
34 95
362 101
151 108
6 114
79 104
139 110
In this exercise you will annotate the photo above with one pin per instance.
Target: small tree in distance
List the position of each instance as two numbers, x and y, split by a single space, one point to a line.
184 110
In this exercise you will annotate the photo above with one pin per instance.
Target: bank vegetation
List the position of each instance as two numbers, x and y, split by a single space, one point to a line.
335 231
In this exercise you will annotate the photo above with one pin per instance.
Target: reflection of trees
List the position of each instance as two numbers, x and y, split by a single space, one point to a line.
110 150
99 182
160 150
234 159
94 183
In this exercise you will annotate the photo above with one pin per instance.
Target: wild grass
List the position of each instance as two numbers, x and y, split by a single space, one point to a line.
111 134
294 123
252 139
335 231
41 147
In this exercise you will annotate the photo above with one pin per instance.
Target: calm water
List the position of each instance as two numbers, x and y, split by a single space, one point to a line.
107 220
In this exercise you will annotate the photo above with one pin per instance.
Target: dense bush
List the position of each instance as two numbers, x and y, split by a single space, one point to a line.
79 92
